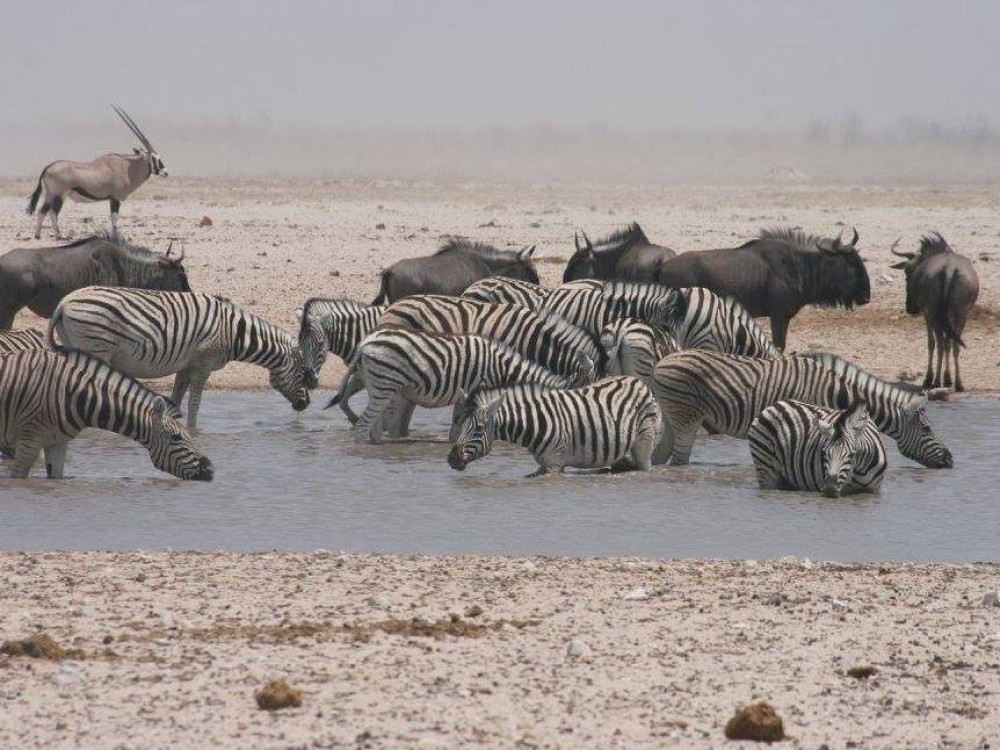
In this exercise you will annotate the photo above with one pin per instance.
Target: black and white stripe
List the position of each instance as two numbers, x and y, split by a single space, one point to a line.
596 426
719 324
501 290
21 341
593 308
149 334
48 397
731 391
798 446
634 348
403 368
334 325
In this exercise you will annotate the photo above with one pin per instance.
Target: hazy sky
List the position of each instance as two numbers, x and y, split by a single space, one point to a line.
627 65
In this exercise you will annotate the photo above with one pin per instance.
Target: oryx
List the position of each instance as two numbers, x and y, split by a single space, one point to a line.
112 177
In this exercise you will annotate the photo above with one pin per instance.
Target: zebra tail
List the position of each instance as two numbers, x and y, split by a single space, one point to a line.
50 336
942 315
334 401
383 292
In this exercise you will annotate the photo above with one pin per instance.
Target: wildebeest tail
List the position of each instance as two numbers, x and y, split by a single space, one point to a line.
942 314
383 291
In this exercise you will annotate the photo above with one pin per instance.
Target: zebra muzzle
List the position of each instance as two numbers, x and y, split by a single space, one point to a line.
456 460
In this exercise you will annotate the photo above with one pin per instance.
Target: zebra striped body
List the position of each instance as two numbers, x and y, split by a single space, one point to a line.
501 290
720 324
634 348
335 325
20 341
540 336
48 397
731 391
594 308
596 426
149 334
402 368
797 446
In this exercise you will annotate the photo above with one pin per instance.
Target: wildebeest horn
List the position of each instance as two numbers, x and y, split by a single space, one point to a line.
837 242
525 254
133 127
895 252
855 240
169 248
586 240
576 241
180 258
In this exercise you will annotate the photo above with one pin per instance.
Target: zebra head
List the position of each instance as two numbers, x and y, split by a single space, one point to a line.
171 447
915 437
312 344
290 376
473 417
842 438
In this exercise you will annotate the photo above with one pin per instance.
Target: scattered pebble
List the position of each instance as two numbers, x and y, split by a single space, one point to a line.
474 611
205 222
757 722
938 394
992 599
380 225
862 671
578 648
636 594
278 694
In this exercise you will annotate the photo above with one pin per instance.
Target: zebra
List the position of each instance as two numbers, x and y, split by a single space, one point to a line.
798 446
731 391
429 369
50 396
19 341
596 426
719 324
150 334
634 348
593 308
503 290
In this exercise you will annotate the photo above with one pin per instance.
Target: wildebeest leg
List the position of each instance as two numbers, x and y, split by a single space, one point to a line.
55 459
959 387
929 377
939 339
779 330
948 344
115 206
197 383
40 219
26 451
7 318
57 204
181 382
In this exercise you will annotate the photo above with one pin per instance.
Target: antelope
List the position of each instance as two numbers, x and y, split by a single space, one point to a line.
111 177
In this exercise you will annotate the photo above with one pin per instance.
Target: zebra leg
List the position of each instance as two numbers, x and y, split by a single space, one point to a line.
181 382
197 382
55 459
26 453
541 471
57 204
399 416
684 435
115 206
369 426
350 384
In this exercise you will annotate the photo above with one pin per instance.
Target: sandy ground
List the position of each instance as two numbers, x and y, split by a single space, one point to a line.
274 243
175 644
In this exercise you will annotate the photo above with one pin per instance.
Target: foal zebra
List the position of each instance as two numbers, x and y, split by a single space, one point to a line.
149 334
48 397
500 289
402 369
731 391
797 446
593 308
592 427
20 341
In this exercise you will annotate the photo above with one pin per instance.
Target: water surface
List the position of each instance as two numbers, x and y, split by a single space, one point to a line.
299 482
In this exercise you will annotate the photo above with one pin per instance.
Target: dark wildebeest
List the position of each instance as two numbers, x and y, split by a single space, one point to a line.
625 255
38 278
452 268
777 274
943 286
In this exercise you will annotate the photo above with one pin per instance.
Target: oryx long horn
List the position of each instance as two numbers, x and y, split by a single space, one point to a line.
133 127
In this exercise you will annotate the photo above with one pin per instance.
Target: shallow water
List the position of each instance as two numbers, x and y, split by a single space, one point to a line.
299 482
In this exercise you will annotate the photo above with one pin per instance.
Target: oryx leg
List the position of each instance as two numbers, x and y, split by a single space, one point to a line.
115 206
25 454
57 204
40 218
929 377
55 459
197 380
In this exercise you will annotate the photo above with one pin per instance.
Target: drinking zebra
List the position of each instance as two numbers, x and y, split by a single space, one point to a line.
50 396
402 369
599 425
731 391
797 446
500 289
634 348
19 341
335 325
149 334
593 308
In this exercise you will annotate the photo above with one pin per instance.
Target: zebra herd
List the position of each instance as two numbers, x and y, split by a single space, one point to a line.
592 374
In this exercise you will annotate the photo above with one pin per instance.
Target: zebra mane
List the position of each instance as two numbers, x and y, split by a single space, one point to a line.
934 243
859 377
462 245
480 397
101 371
620 237
802 241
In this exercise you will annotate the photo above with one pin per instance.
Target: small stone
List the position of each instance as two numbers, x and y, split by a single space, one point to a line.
335 273
108 639
380 225
577 648
757 722
379 602
474 611
938 394
68 674
992 599
205 222
636 594
862 671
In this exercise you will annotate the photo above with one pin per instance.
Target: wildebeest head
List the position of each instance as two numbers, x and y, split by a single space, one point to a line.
581 265
842 438
845 277
930 244
522 268
173 276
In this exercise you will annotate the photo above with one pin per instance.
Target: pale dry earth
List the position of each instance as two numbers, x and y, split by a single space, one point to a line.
175 644
275 242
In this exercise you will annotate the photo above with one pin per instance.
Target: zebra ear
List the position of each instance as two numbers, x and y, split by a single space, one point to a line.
916 404
298 314
856 419
159 407
826 428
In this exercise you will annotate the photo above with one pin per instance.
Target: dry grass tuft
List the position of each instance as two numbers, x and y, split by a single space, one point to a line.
419 627
862 671
278 694
757 722
39 646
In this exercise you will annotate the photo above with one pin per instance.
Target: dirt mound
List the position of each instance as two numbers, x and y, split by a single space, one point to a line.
757 722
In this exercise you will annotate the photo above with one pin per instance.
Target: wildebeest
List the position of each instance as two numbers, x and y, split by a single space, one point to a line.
451 269
627 255
37 278
777 274
943 286
111 177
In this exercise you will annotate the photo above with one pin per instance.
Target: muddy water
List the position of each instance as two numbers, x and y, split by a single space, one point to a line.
299 482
